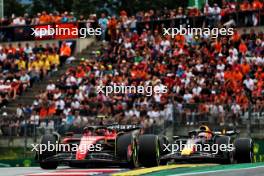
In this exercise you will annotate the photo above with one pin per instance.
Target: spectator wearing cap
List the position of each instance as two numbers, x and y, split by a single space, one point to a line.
16 88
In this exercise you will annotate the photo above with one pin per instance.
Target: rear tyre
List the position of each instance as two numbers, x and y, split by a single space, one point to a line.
149 150
228 155
244 150
127 149
47 140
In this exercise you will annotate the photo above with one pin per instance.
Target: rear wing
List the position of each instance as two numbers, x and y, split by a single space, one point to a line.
116 127
226 131
124 128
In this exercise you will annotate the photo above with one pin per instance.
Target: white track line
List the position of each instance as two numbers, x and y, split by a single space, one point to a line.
64 174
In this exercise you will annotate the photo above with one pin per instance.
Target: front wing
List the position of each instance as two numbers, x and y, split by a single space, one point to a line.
197 156
91 158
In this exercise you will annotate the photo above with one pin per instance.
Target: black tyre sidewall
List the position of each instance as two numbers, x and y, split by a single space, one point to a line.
122 143
48 139
228 155
149 150
243 150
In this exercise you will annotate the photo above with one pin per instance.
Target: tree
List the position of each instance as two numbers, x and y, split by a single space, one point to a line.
86 7
51 5
13 7
133 6
37 6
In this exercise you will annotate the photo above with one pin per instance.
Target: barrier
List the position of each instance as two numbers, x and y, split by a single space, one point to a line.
29 162
241 19
41 32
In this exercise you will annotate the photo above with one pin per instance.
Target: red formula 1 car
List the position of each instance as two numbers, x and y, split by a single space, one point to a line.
123 145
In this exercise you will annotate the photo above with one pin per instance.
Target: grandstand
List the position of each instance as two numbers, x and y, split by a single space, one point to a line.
215 80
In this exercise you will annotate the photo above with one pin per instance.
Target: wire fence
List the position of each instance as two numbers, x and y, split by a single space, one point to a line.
181 115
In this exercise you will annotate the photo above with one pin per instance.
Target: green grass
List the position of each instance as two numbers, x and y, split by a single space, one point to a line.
15 153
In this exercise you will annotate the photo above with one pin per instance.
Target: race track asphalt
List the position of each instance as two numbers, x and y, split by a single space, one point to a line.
19 171
61 171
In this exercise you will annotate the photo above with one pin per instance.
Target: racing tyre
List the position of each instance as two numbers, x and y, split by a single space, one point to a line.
244 150
149 150
127 149
47 140
163 141
228 155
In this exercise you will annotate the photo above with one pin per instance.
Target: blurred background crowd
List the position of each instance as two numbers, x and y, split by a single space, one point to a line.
214 9
216 80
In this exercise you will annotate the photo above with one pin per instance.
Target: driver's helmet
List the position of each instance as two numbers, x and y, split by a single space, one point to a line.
100 132
88 131
205 132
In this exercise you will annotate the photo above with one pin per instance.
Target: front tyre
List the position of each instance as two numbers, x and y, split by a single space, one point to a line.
244 150
47 140
127 149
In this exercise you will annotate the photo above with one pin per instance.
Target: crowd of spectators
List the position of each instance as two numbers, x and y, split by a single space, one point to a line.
215 80
40 18
210 79
213 9
213 12
22 66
